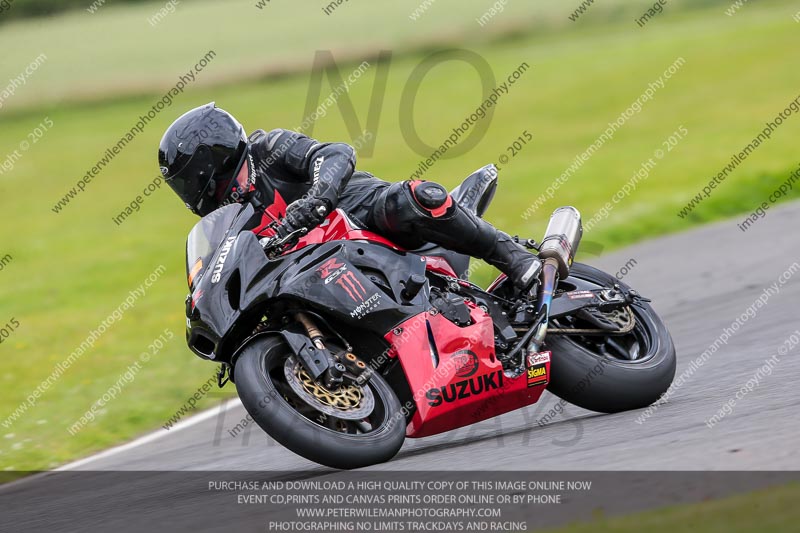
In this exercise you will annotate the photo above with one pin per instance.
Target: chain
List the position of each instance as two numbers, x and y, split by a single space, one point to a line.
624 328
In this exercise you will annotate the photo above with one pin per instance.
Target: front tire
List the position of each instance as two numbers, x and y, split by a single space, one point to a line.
319 437
602 378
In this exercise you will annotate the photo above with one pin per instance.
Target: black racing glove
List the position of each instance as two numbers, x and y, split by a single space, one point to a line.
306 213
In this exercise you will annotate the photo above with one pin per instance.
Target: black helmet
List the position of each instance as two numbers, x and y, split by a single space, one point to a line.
200 153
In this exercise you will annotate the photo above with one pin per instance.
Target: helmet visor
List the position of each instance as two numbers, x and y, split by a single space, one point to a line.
196 183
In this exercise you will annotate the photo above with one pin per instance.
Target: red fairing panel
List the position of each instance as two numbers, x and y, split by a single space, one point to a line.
337 228
439 265
274 213
468 384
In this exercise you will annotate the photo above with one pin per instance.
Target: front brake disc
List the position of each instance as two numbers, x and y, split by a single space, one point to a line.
349 402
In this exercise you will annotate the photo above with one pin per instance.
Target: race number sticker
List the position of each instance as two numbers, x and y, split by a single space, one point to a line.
538 368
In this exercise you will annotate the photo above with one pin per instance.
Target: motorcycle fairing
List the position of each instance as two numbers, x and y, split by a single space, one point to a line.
351 280
354 282
454 375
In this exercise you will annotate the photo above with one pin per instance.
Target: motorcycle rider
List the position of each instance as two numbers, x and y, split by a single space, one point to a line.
209 161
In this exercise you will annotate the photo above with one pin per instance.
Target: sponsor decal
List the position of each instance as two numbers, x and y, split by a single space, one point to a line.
223 255
538 357
198 266
349 282
467 388
580 294
317 167
538 364
252 168
537 375
330 270
335 270
370 304
466 363
195 297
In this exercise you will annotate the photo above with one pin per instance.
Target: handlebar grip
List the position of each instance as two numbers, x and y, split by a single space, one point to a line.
283 230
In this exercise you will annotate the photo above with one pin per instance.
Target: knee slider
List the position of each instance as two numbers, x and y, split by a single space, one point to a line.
431 197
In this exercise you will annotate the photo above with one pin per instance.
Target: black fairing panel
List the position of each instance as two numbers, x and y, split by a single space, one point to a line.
459 262
349 281
218 306
346 291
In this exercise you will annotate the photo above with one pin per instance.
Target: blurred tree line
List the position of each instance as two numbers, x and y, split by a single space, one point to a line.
10 9
616 9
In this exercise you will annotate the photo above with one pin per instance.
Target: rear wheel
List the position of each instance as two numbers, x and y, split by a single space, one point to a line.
351 427
610 373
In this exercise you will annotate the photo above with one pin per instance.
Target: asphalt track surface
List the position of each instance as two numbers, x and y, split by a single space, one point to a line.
700 281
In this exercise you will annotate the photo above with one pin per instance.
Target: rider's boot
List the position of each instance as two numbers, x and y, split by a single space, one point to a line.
513 260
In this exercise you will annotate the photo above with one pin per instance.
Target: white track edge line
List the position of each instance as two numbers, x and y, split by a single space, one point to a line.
155 435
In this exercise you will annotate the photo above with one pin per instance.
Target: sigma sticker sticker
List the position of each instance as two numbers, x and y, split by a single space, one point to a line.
538 368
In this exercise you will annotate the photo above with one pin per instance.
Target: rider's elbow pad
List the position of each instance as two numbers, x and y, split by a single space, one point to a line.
331 167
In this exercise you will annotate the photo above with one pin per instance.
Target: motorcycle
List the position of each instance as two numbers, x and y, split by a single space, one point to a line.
341 344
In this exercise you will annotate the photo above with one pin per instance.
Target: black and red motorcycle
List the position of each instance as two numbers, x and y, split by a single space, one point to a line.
342 344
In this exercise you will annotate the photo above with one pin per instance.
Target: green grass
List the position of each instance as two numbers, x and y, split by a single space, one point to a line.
71 270
126 55
115 50
771 510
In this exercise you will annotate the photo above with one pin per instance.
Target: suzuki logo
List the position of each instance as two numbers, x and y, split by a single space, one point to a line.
223 255
467 388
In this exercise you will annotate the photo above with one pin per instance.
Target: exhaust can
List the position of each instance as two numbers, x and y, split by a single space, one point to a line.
562 237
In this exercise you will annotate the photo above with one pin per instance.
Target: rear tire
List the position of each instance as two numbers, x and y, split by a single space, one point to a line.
584 377
258 368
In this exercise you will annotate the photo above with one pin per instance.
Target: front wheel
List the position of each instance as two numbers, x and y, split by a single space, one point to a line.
610 373
352 427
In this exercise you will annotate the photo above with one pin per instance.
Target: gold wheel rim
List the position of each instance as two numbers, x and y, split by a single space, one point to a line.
343 398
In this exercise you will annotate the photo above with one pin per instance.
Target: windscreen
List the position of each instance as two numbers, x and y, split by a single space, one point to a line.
205 238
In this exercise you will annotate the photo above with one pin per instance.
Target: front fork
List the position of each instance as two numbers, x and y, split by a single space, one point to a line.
340 363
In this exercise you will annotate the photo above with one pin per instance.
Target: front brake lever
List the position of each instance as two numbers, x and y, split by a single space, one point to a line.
275 245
